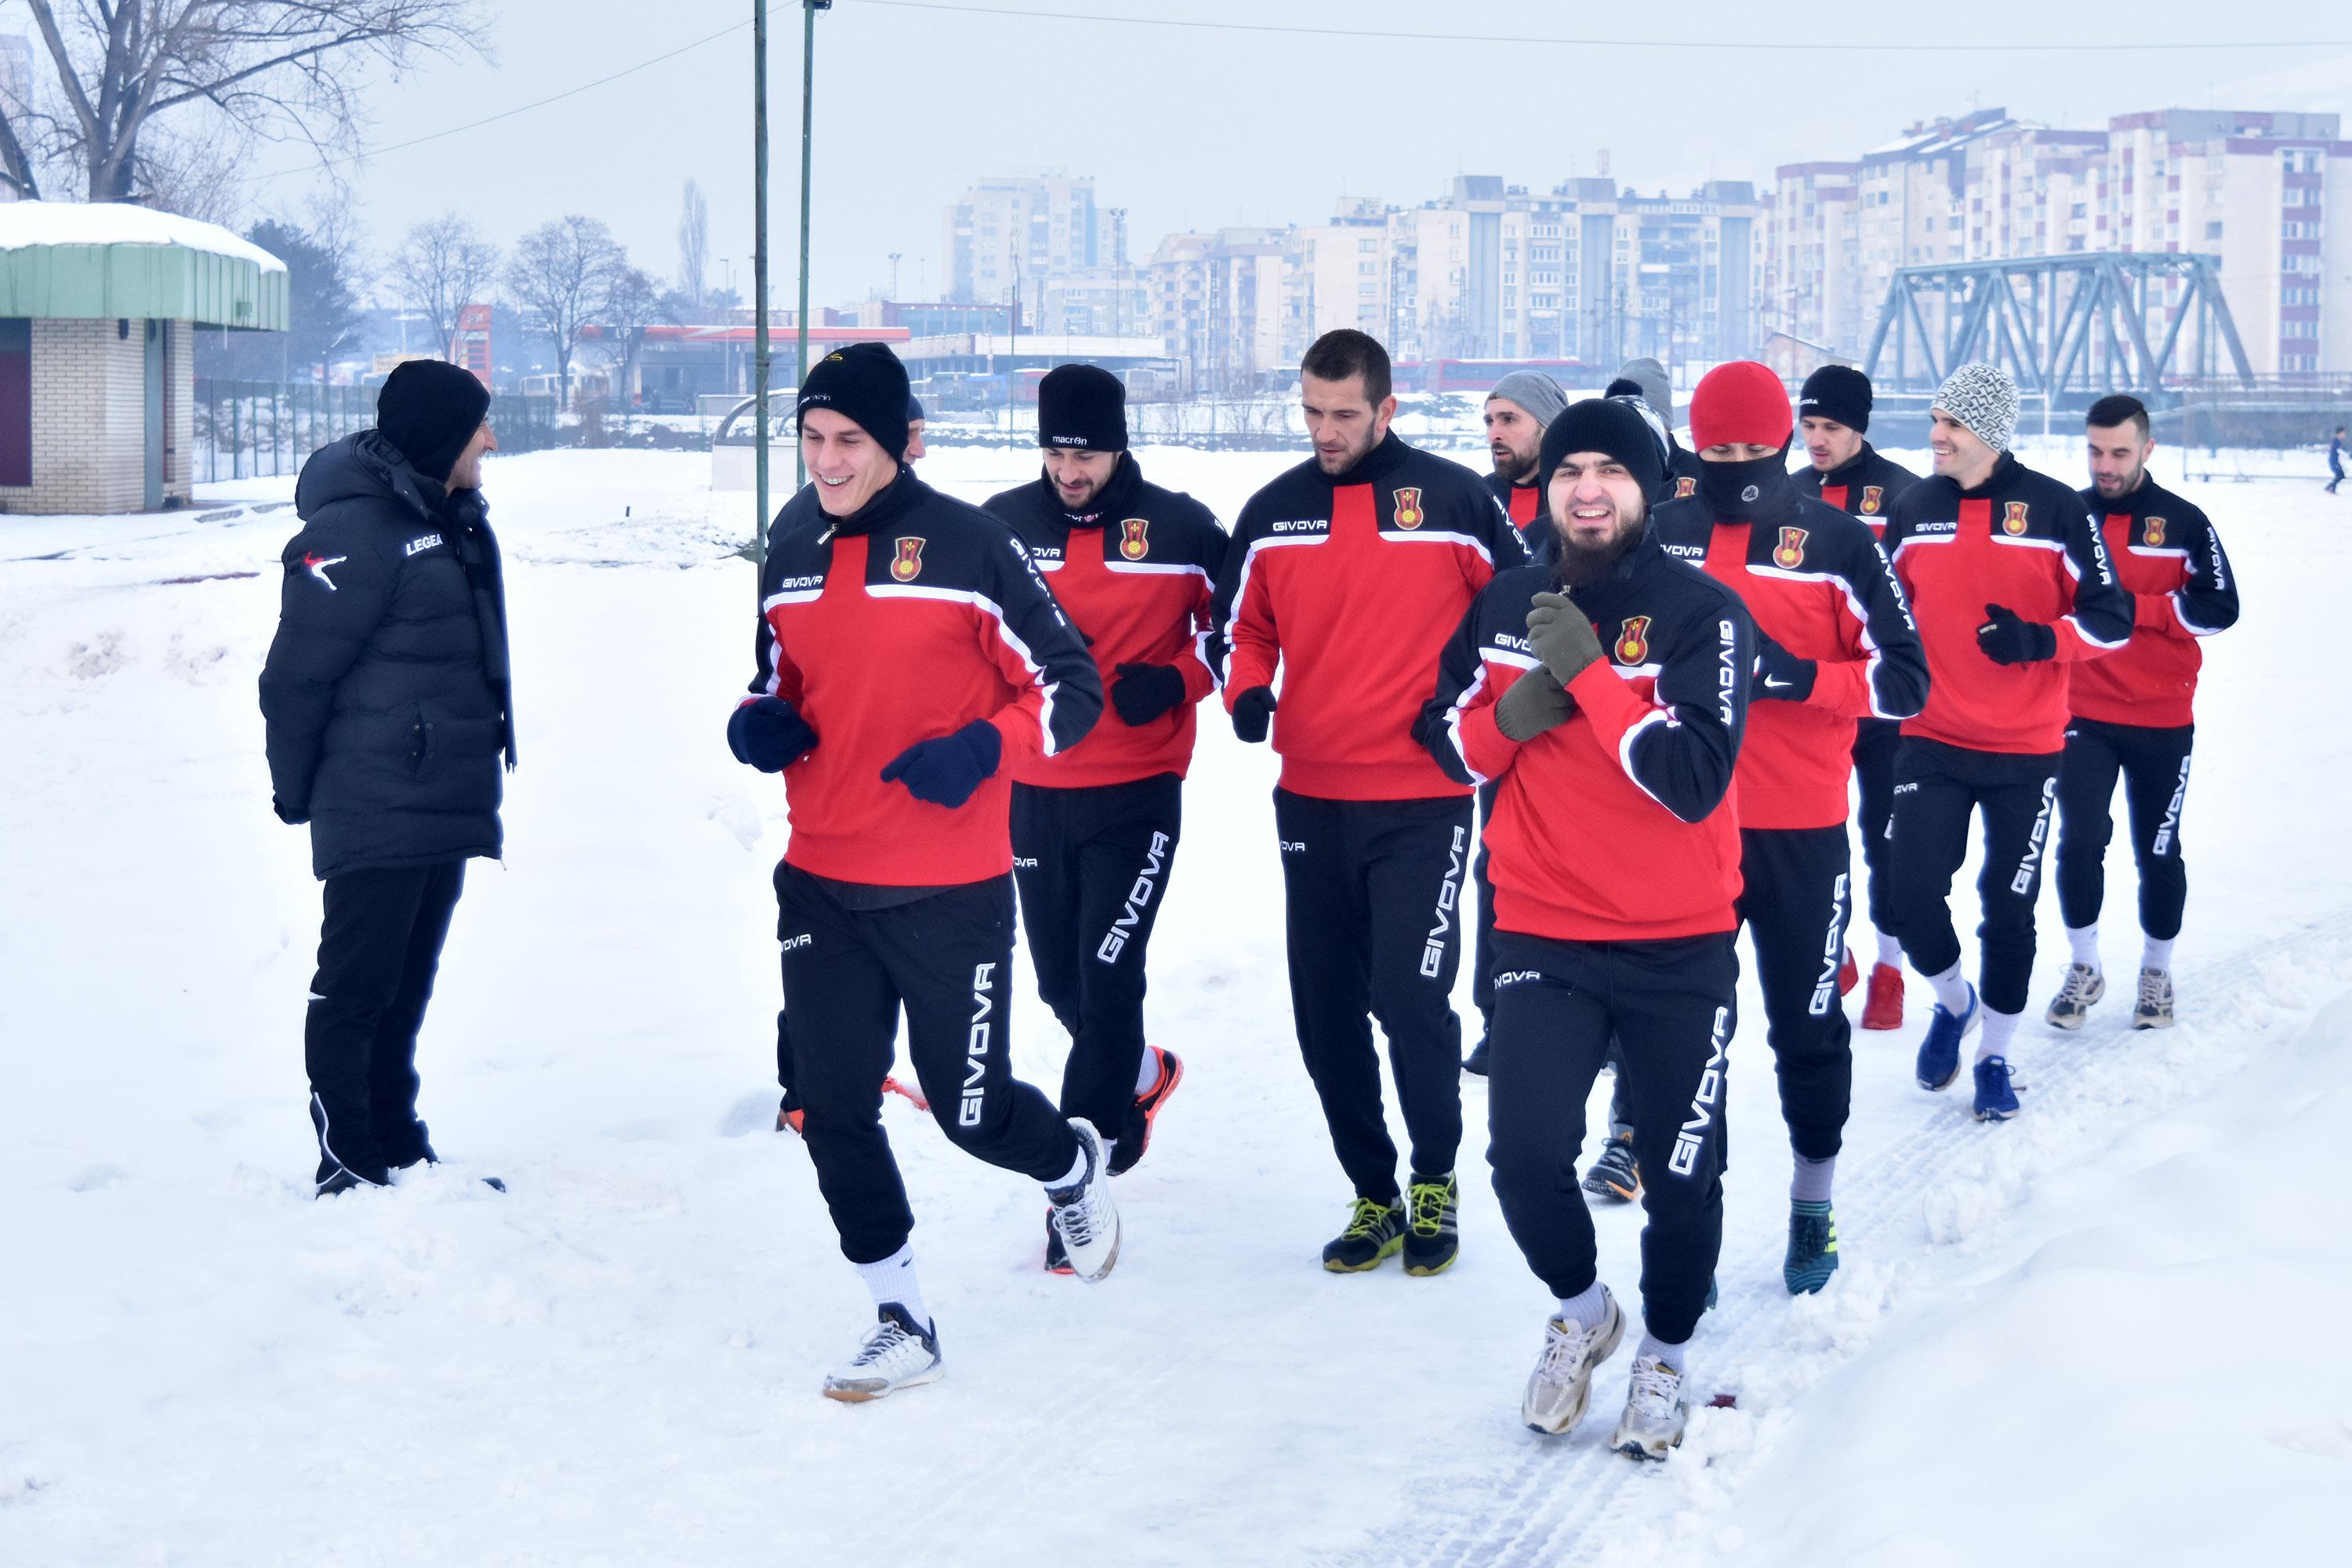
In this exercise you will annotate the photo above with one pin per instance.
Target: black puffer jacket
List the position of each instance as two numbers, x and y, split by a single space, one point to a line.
386 692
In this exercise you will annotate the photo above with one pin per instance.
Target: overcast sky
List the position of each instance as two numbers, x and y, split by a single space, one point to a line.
1199 127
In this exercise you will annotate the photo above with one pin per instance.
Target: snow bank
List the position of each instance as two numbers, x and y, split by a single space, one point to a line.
24 224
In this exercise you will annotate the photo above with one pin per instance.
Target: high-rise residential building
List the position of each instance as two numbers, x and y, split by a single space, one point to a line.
1029 233
1341 273
1809 246
1671 278
1218 303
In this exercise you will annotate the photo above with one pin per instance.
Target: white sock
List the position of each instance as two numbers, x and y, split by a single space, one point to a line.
1147 1077
893 1281
1671 1354
2157 955
1890 951
1952 991
1077 1171
1999 1028
2084 940
1811 1182
1588 1310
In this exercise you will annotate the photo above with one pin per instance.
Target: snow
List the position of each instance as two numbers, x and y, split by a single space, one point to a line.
24 224
617 1362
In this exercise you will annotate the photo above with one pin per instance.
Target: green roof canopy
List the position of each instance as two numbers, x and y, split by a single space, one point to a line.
109 258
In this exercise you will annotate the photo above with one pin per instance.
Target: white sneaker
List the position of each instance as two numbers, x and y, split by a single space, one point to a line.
895 1354
2154 1008
1084 1214
2085 985
1562 1384
1655 1411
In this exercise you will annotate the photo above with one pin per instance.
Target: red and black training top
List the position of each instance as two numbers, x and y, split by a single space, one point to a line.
2022 541
1523 504
1618 824
1347 585
1134 575
2167 555
1866 485
1815 582
905 622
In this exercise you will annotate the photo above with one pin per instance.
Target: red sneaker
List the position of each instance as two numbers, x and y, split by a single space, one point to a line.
790 1120
1882 1007
892 1085
1135 1137
1848 974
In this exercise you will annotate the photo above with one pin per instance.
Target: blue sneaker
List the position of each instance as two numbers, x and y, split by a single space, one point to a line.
1996 1092
1813 1248
1939 1052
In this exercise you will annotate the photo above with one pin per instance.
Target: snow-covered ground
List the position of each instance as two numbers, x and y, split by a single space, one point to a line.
2106 1333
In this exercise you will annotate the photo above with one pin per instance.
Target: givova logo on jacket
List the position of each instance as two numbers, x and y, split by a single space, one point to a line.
2012 518
1135 538
909 565
1633 640
1791 552
1408 513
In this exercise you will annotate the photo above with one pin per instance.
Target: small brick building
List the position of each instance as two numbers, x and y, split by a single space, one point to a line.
99 304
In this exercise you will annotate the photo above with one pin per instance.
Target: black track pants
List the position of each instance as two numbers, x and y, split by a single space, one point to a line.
1671 1006
946 959
1876 741
1093 867
1936 789
1796 898
378 949
2155 767
1373 895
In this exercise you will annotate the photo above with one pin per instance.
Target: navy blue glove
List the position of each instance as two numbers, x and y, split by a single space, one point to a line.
1780 676
945 771
1146 691
1253 713
2008 637
768 733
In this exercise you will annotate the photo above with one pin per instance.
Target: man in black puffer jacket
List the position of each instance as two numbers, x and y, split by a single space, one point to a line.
386 696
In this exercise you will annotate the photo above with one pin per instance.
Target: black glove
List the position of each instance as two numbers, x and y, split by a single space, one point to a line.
1536 703
1146 691
768 733
945 771
2009 638
1780 676
1253 713
1561 637
287 814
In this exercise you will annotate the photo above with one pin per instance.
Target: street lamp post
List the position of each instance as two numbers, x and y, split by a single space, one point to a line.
809 9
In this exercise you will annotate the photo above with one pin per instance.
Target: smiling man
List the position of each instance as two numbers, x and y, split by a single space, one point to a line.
906 652
1343 576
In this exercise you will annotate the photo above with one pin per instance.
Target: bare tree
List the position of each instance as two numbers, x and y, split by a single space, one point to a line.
274 69
632 303
562 277
693 245
442 267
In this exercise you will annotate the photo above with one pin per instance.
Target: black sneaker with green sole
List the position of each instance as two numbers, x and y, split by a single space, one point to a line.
1375 1232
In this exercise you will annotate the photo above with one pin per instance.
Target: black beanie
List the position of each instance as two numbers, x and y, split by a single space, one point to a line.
430 410
864 383
1081 408
1837 392
1605 424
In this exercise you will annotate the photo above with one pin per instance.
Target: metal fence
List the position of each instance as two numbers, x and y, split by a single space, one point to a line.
253 429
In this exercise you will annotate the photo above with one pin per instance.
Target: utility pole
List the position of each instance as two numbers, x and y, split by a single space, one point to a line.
894 275
760 285
809 9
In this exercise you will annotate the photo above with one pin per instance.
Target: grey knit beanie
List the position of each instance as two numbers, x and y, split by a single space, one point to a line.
1534 391
1658 387
1983 399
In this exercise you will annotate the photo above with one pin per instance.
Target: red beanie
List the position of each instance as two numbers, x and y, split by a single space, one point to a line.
1740 401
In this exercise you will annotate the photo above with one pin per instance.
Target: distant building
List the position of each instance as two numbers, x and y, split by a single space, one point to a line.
1029 233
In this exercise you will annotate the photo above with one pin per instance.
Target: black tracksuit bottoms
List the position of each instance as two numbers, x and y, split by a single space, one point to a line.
945 958
1092 866
1876 741
1672 1005
1797 896
378 949
2154 764
1936 789
1373 891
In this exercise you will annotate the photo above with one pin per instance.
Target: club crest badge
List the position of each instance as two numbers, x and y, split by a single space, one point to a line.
1633 639
1134 538
1790 554
1872 498
1408 507
2155 530
1685 487
2012 519
909 562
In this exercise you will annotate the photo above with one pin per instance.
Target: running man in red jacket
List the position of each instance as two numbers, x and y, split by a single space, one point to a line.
1345 575
2011 587
907 651
2134 713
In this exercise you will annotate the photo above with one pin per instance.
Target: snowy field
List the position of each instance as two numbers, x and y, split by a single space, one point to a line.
2107 1332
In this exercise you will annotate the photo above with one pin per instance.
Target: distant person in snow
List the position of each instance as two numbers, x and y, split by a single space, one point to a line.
387 703
2336 460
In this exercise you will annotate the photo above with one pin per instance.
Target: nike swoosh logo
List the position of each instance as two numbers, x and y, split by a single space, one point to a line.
1772 685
